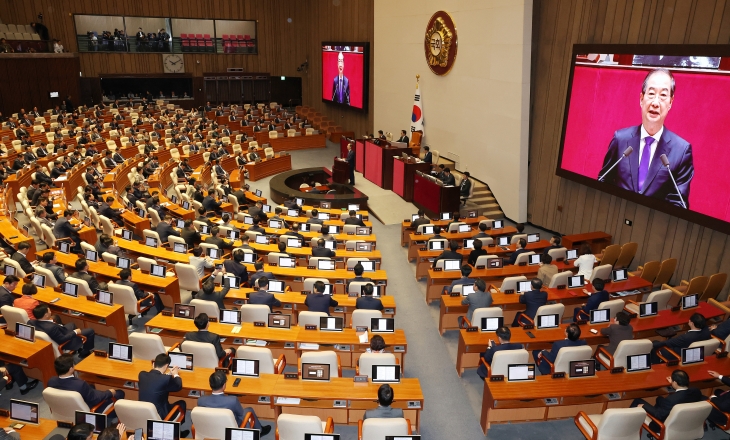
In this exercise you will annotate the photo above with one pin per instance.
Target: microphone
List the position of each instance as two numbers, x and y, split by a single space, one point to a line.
665 162
627 152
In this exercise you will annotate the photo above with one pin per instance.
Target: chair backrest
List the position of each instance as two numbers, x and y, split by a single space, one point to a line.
621 424
560 279
454 227
696 285
64 404
628 251
50 278
714 286
13 315
686 421
109 258
710 345
421 227
134 413
650 270
510 283
106 225
610 254
187 276
665 272
550 309
153 234
483 260
603 272
503 358
661 297
87 247
294 426
212 422
377 429
308 283
614 306
485 312
568 354
84 289
261 354
204 353
309 318
362 317
146 263
255 313
146 345
124 295
523 257
273 257
516 238
630 347
356 286
352 262
367 360
18 271
210 308
323 357
558 253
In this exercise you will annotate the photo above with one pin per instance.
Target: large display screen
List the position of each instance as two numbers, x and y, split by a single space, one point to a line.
345 74
648 123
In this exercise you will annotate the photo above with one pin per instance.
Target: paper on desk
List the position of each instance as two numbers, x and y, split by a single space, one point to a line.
308 346
363 336
236 329
288 400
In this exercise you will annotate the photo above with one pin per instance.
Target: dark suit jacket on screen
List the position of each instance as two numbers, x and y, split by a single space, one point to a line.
343 96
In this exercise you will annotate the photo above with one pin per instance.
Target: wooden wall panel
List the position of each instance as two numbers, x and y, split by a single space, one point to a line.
28 80
557 25
283 46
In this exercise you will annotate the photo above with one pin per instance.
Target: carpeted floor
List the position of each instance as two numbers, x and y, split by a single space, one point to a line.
452 404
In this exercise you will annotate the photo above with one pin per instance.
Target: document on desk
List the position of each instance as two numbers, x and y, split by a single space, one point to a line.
120 351
288 400
385 372
308 346
638 362
163 431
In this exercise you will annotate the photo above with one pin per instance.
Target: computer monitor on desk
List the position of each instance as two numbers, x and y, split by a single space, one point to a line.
548 321
533 238
433 245
576 282
520 372
491 324
245 367
571 254
586 368
690 301
693 355
619 275
503 241
599 316
524 286
162 430
648 309
638 362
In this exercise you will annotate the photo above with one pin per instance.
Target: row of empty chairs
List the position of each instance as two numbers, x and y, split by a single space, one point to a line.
18 28
20 36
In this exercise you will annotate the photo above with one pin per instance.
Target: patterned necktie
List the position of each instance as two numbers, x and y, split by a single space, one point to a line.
644 165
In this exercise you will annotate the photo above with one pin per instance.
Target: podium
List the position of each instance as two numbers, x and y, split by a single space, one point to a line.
430 195
340 171
404 171
378 162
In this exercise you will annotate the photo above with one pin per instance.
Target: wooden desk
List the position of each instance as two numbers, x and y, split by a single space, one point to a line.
294 277
472 344
109 321
36 358
106 373
404 172
424 258
523 401
283 341
415 242
268 167
39 431
598 240
293 303
406 230
318 398
298 142
167 287
14 236
433 197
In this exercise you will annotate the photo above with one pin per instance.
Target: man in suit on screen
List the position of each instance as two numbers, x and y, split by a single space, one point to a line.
642 171
341 88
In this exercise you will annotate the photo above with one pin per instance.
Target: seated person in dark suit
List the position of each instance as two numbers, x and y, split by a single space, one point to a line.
203 335
255 210
64 229
358 270
698 331
259 266
476 253
208 292
663 406
533 299
281 246
11 374
594 299
521 244
465 272
503 335
124 280
721 398
165 230
235 266
366 301
217 399
82 273
314 218
112 214
295 233
63 333
317 301
190 234
321 251
384 411
722 330
619 330
448 178
555 241
421 220
480 298
211 203
19 256
156 385
261 296
255 226
67 381
572 333
451 254
428 157
353 220
216 240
